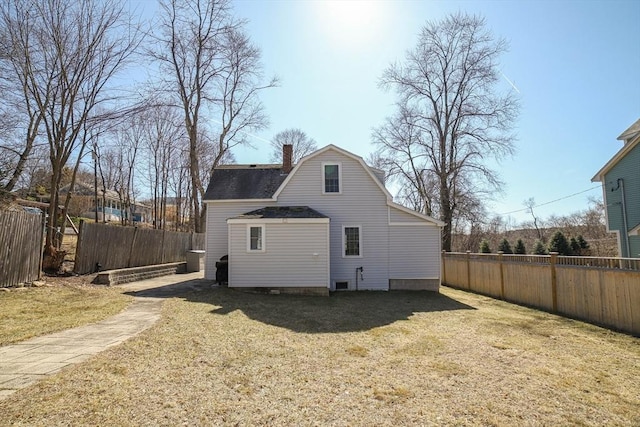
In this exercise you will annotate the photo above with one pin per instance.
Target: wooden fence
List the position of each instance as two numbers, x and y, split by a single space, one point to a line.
604 291
112 247
21 235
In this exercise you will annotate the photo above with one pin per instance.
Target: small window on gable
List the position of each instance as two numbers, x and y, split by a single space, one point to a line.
255 238
352 241
331 173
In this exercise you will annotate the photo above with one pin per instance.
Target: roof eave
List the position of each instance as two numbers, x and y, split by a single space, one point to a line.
631 132
599 176
269 200
339 150
415 213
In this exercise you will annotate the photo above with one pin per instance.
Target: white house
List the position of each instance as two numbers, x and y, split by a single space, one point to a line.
327 224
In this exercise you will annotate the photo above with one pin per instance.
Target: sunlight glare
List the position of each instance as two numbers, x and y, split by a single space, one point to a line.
352 23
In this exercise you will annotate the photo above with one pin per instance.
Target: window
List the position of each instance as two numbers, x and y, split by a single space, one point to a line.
351 239
255 241
331 173
342 286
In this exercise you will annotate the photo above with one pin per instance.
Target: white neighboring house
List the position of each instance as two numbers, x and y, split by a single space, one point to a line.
327 224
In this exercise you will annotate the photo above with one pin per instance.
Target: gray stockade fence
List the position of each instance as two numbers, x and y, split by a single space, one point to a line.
112 247
21 243
604 291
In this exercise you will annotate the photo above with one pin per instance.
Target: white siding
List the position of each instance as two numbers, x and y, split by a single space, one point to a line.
407 251
216 241
361 203
414 252
296 256
396 215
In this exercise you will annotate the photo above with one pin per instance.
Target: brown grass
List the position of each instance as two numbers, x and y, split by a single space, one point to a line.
220 357
29 312
69 245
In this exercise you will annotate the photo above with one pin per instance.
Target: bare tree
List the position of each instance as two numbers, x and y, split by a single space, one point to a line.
302 144
179 185
209 152
214 68
18 109
163 136
129 143
450 116
530 203
595 229
70 50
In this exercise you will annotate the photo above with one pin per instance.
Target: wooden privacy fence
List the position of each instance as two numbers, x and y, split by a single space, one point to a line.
21 235
604 291
114 247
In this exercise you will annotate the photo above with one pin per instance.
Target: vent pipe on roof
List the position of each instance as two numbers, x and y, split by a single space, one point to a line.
287 158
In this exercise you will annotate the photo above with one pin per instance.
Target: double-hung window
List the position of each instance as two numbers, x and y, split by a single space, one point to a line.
352 241
255 238
331 173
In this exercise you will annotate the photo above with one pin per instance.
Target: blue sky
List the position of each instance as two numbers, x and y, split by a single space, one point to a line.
575 63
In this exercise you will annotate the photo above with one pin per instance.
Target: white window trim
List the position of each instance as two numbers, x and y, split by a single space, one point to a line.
359 227
339 164
262 233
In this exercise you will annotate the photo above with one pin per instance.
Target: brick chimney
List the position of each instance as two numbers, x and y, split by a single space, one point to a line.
287 158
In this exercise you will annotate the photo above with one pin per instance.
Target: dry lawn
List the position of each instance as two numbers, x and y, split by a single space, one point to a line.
220 357
29 312
69 245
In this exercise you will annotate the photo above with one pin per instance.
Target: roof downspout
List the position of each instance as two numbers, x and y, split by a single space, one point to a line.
625 236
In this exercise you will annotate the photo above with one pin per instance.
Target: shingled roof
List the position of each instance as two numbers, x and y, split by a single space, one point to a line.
240 182
282 212
261 181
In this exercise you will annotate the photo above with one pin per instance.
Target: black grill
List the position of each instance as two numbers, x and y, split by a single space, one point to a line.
222 270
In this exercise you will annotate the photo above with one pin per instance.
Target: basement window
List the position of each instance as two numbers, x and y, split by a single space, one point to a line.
342 286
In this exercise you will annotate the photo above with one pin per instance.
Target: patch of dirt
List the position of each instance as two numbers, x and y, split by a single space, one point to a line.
68 279
66 276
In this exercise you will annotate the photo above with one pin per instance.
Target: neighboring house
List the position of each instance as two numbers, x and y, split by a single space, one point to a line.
327 224
110 208
620 179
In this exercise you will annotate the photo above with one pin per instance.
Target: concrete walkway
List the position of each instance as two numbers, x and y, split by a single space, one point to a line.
27 362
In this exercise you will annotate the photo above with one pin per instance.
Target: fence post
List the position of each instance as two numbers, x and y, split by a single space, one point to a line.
444 270
43 234
162 255
133 244
76 261
468 269
554 282
500 260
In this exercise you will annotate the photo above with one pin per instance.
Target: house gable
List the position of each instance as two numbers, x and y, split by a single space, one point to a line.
620 178
631 139
370 240
336 159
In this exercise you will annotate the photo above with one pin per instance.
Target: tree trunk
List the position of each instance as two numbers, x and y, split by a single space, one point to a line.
24 156
446 216
195 180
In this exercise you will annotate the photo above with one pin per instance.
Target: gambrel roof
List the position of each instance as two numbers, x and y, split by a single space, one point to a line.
266 182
